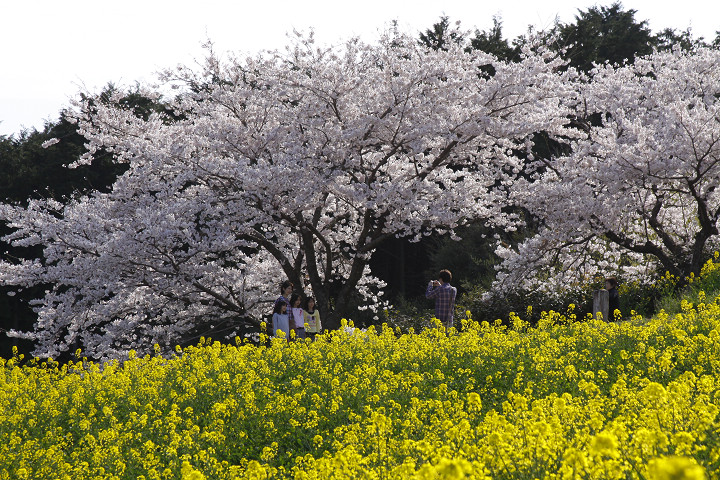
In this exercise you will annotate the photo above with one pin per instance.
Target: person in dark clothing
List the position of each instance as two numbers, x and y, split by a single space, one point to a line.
286 289
614 299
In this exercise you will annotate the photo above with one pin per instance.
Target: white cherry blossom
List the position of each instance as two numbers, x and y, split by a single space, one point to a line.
293 164
639 191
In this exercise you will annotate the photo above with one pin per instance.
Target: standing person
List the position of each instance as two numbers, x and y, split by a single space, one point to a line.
280 319
297 317
444 295
286 289
613 297
312 318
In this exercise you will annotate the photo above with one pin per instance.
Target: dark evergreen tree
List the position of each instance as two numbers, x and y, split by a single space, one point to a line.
604 34
492 41
441 35
670 38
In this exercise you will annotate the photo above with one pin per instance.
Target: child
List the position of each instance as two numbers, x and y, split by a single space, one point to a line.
297 316
312 318
280 319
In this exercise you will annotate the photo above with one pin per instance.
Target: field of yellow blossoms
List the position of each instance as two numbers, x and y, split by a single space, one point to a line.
570 398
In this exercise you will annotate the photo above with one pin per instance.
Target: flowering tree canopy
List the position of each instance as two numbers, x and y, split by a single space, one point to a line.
285 165
639 191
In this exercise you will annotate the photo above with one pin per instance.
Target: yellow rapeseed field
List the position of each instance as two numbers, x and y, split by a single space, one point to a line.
571 398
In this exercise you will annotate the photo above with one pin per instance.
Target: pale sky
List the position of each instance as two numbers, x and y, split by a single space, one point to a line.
52 50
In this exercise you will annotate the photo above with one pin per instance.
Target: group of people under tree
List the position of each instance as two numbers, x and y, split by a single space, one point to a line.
291 314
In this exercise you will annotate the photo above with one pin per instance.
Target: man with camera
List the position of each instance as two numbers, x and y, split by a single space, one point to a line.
444 295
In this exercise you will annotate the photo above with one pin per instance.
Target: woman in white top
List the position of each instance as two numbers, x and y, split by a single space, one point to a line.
297 317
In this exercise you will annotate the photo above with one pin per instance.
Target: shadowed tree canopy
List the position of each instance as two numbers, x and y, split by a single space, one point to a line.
29 170
670 38
603 34
492 41
34 163
441 35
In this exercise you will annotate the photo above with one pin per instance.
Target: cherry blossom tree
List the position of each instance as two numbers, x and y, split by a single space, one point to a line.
130 272
638 192
293 164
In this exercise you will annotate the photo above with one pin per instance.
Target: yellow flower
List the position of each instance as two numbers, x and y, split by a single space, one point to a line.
675 468
575 459
655 392
255 471
454 469
474 401
604 444
189 473
494 439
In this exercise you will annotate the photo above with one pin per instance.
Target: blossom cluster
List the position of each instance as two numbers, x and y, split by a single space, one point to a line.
292 164
637 191
569 398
